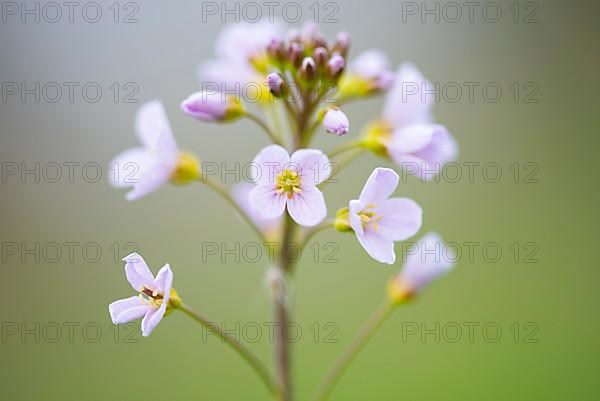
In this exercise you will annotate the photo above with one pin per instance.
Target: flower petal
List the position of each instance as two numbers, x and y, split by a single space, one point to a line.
126 168
152 319
163 282
313 164
268 163
401 218
308 207
267 202
354 208
241 194
379 186
430 261
137 272
127 310
151 122
377 246
155 176
411 138
410 99
370 64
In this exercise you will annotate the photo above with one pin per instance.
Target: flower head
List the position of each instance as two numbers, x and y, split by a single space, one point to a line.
426 264
412 140
378 220
212 107
156 296
290 182
336 122
157 161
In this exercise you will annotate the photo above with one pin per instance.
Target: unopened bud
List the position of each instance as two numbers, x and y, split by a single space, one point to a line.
335 121
336 65
320 54
309 68
275 83
342 43
295 54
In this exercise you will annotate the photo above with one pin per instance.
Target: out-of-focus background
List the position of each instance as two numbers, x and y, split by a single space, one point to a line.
521 324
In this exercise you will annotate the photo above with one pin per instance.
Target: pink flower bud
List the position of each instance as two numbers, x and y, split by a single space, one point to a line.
212 106
336 122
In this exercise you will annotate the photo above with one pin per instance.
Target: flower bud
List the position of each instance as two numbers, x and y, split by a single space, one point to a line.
275 83
335 121
309 68
212 107
275 49
320 54
187 169
342 220
342 43
335 66
295 54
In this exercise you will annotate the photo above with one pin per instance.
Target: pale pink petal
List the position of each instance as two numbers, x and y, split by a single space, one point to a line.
442 149
377 246
308 207
410 99
152 319
241 194
163 282
370 64
314 166
150 122
431 260
355 207
411 138
268 163
126 168
266 201
379 186
137 272
401 218
155 176
127 310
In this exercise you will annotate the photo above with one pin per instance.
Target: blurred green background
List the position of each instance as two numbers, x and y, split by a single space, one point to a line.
160 53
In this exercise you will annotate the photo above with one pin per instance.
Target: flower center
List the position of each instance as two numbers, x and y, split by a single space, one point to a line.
288 181
369 218
151 297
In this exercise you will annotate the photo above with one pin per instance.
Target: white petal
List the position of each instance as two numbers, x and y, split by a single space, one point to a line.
137 272
127 310
266 201
401 218
163 282
151 122
152 319
410 99
379 186
150 180
379 248
314 165
430 261
268 163
126 168
308 207
411 138
355 207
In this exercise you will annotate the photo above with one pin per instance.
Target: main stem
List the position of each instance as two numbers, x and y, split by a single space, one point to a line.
282 318
248 356
342 363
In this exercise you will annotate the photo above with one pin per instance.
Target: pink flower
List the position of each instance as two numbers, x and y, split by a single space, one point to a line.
148 167
154 297
284 181
428 263
417 144
336 122
378 221
373 66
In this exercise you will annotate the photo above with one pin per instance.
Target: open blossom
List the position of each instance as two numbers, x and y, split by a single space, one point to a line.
417 144
430 260
290 182
148 167
336 122
269 226
155 295
379 220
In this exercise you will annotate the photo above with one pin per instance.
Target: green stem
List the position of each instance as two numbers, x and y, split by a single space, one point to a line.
221 190
337 370
248 356
311 232
264 126
345 148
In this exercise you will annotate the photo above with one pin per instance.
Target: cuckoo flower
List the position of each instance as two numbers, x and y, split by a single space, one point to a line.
269 226
430 260
157 161
379 220
368 73
155 295
284 181
411 138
